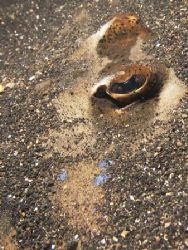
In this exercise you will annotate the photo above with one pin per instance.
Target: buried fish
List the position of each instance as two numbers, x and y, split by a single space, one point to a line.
122 32
131 83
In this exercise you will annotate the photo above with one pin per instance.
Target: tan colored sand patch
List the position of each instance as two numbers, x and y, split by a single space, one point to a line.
173 91
6 233
76 134
73 141
136 52
79 197
6 242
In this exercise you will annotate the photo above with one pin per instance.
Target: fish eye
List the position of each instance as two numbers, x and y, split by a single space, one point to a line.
139 79
120 88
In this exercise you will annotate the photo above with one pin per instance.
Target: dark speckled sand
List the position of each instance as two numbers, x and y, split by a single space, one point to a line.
48 127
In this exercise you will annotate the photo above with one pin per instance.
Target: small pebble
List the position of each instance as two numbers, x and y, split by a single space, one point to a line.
1 88
103 241
124 233
115 239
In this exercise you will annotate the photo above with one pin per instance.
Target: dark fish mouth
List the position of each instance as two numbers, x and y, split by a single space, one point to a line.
134 82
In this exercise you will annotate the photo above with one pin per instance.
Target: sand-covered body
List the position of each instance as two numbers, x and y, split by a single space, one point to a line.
123 32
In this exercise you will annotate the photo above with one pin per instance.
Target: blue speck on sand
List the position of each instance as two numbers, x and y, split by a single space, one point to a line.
101 179
105 163
63 176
